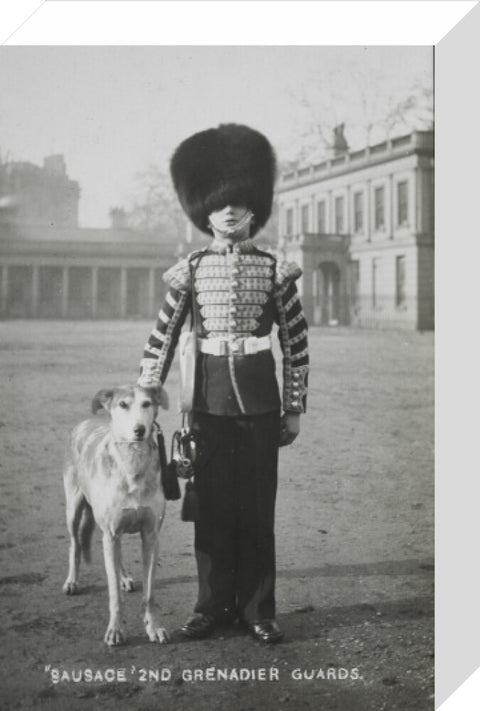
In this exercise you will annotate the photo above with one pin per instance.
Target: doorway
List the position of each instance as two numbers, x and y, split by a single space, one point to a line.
326 295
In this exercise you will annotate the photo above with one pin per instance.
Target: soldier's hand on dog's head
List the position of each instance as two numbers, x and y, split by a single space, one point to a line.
289 428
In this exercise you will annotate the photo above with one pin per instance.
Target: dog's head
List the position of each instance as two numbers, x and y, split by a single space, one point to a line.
132 410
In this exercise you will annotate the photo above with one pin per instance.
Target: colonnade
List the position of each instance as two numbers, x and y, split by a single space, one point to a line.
86 291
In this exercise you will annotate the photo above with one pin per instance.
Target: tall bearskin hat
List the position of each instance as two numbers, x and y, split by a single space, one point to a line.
228 165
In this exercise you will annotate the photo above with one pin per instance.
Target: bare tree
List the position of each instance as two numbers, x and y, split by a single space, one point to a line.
363 99
413 110
156 207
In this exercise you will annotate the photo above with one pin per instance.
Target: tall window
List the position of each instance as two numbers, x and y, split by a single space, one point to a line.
402 203
400 297
305 218
321 218
339 215
379 208
289 221
358 212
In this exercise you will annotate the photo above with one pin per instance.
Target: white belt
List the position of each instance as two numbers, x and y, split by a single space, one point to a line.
238 346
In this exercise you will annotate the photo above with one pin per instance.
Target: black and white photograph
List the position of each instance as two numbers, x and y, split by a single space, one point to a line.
217 304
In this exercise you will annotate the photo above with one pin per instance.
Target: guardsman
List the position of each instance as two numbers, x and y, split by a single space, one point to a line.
237 293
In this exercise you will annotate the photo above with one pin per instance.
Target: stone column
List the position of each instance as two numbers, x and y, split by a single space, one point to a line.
368 211
35 291
65 292
392 201
94 308
123 292
4 295
151 292
348 212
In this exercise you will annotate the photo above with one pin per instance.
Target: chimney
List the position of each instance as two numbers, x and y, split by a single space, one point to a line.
118 218
55 164
339 145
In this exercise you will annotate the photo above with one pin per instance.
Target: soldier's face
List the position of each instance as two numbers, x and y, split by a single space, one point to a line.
232 221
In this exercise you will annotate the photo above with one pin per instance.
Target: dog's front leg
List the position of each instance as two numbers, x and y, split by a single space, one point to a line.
155 632
115 633
127 583
70 586
75 504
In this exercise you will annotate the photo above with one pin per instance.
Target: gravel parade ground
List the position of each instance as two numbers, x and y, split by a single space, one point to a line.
354 540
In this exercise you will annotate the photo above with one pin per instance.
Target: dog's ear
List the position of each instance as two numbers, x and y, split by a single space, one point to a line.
159 397
102 399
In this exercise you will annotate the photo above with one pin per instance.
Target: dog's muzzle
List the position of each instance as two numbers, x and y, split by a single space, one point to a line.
139 431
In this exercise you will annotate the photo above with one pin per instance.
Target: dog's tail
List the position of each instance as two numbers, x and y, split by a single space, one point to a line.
85 531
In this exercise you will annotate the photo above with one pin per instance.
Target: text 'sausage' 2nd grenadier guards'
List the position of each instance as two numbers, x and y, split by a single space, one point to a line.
224 178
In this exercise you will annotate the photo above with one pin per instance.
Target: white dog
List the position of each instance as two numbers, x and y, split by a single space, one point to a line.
112 477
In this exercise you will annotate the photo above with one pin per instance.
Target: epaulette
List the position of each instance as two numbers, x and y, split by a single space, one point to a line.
285 272
178 276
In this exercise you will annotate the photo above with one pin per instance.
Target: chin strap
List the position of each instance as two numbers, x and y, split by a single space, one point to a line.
245 220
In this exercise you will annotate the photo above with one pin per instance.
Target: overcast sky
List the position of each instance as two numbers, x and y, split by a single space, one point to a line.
113 111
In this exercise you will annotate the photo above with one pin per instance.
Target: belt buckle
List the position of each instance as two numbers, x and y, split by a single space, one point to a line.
251 345
236 347
223 348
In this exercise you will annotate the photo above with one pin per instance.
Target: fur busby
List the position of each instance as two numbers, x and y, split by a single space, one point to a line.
229 165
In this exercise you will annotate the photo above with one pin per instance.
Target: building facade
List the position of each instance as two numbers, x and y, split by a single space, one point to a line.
361 225
83 273
52 268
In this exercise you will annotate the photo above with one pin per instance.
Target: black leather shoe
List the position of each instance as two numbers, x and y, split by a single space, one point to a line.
266 631
198 626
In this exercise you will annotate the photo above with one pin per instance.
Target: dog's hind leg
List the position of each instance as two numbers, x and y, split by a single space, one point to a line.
115 633
75 505
85 531
155 632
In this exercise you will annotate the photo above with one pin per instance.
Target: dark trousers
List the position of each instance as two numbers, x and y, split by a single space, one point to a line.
236 482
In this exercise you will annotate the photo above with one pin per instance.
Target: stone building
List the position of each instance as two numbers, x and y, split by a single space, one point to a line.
82 273
35 195
361 225
51 268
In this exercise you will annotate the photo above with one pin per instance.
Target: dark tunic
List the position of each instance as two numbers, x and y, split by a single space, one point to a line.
237 294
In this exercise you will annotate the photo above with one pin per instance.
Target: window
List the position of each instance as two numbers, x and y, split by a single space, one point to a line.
358 212
305 219
400 281
321 218
402 203
374 282
379 208
339 215
289 222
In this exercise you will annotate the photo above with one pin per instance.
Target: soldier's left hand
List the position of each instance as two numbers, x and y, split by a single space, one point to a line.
289 428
